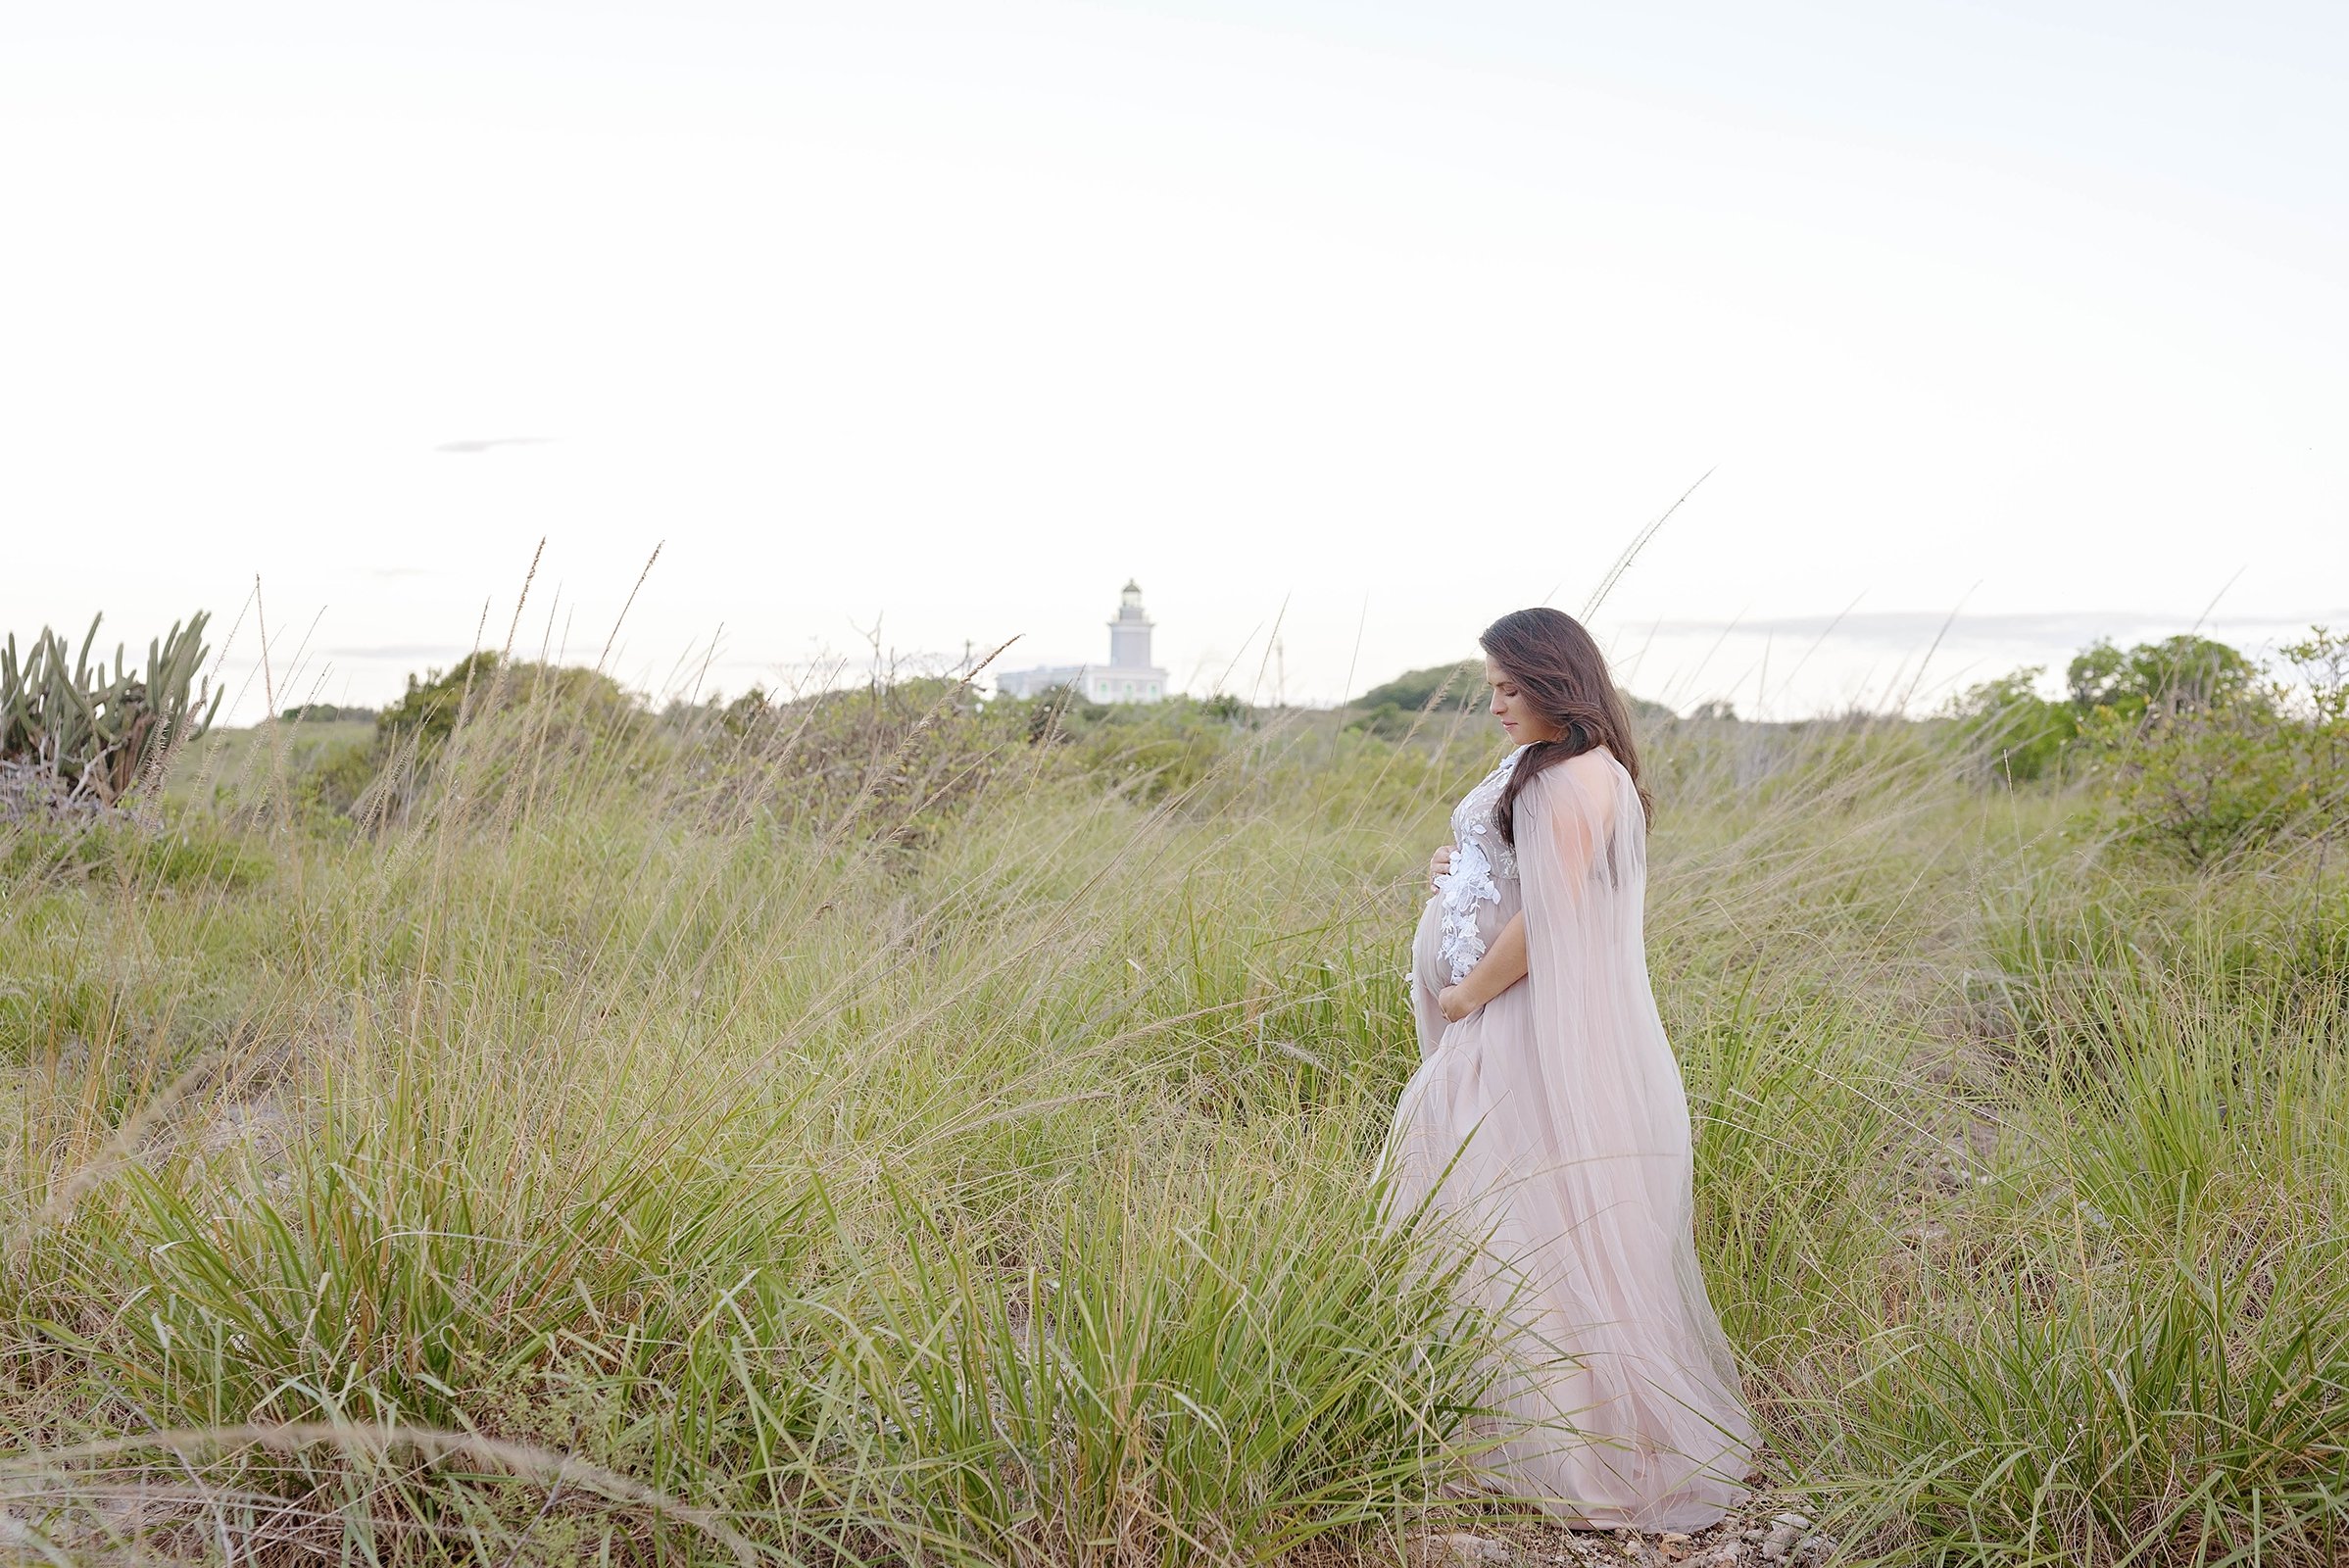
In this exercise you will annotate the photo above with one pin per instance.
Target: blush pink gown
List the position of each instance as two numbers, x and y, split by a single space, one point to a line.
1550 1126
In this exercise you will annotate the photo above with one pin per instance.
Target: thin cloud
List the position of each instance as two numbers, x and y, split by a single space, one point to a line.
485 443
403 651
1904 628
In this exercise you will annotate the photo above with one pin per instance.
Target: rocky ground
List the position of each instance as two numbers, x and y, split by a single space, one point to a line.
29 790
1773 1528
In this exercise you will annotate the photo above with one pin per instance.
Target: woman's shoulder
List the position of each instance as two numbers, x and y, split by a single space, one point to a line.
1587 782
1595 769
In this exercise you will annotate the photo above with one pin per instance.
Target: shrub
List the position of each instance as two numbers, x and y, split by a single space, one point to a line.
1420 696
894 760
2202 784
338 775
2007 731
1164 749
1051 710
2203 761
551 715
479 683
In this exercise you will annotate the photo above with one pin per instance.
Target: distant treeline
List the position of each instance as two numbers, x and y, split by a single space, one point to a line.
1419 696
328 714
2189 746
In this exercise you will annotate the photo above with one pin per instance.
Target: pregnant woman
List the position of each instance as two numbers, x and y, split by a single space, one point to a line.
1547 1118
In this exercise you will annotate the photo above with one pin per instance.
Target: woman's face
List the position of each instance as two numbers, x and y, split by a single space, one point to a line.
1525 727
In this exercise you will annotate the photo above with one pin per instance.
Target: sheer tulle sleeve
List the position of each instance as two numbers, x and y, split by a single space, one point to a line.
1610 1105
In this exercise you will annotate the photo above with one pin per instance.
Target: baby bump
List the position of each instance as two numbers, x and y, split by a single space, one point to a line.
1427 948
1428 975
1429 964
1431 968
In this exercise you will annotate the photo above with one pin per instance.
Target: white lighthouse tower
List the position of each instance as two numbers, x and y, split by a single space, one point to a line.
1128 678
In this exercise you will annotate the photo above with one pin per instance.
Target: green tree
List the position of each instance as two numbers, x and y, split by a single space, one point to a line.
2176 675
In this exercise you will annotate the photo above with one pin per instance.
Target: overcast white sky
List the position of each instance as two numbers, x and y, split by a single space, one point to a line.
1376 318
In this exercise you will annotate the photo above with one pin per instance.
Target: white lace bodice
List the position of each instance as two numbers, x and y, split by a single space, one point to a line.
1478 857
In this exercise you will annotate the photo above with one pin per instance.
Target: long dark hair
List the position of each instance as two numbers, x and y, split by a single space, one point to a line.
1554 663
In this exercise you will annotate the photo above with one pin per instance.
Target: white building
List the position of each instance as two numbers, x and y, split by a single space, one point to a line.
1128 678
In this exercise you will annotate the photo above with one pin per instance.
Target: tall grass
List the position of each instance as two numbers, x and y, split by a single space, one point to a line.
653 1147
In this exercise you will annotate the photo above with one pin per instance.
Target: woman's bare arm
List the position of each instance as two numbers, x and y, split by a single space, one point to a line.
1502 966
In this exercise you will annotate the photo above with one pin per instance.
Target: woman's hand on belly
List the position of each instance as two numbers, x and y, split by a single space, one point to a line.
1502 966
1438 865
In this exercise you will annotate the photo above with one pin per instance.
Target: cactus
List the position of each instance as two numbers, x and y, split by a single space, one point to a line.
102 735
